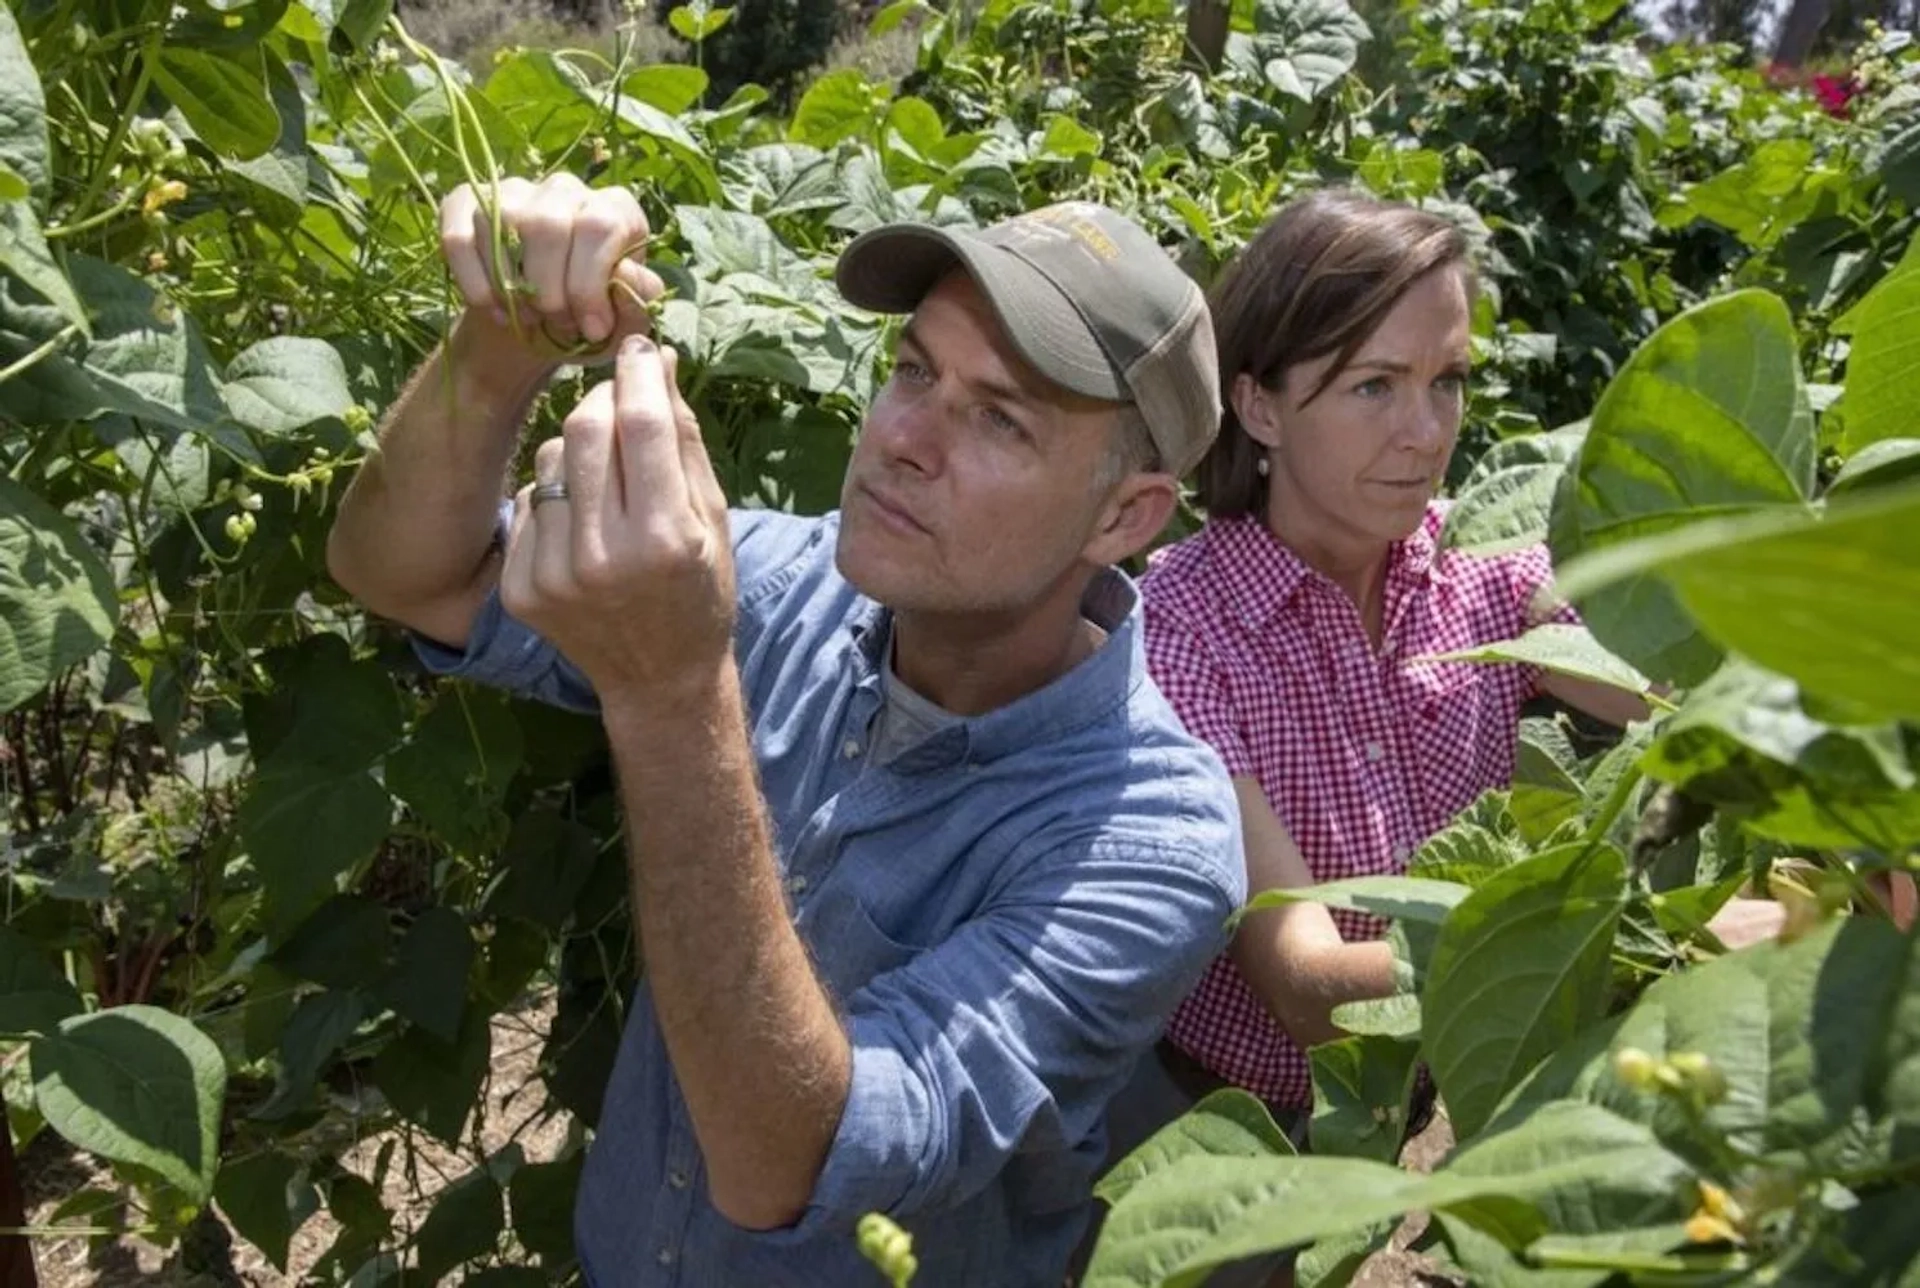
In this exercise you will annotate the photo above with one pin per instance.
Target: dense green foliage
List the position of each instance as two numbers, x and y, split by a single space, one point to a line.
265 887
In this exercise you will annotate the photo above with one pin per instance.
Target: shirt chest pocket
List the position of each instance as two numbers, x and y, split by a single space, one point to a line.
1456 738
848 946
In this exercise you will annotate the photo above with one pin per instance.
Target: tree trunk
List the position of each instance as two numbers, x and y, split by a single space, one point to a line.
1207 22
1799 30
16 1253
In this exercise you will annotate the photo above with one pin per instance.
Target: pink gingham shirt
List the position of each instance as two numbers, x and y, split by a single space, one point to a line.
1362 754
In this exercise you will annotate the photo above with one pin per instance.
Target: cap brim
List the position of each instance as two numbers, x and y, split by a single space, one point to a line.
891 269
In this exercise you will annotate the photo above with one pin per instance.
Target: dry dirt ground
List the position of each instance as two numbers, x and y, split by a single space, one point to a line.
50 1175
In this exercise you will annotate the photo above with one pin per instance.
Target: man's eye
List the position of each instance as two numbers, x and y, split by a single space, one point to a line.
1002 423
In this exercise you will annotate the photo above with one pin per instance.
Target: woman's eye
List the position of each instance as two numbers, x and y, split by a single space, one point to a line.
909 370
1453 382
1375 387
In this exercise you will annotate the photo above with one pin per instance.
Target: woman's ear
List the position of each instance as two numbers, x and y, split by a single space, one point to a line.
1257 408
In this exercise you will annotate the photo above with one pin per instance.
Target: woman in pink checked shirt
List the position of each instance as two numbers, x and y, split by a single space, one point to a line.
1286 632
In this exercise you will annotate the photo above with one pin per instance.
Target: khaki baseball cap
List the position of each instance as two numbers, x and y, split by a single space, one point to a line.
1086 296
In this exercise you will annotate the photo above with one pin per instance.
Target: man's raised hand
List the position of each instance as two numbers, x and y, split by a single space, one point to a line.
577 275
619 551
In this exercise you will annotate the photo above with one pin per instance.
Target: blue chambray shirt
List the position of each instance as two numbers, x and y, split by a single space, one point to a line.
1006 914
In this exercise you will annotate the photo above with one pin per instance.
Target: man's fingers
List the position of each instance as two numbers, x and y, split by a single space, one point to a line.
516 573
547 226
460 249
650 464
552 524
593 488
510 196
608 226
694 460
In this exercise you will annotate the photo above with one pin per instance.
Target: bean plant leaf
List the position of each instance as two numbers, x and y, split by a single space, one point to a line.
320 1025
285 383
347 943
1880 464
1831 600
1521 966
1200 1212
1303 47
23 110
839 105
1709 416
24 253
138 1085
434 1084
34 997
1387 1017
1506 503
1560 647
1883 366
304 828
223 94
1414 898
542 1198
259 1197
57 599
280 173
1228 1123
465 1223
1361 1088
428 982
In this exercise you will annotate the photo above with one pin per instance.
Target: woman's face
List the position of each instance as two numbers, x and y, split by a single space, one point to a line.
1360 461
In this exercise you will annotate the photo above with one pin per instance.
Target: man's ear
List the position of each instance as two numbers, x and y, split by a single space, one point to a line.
1132 517
1258 409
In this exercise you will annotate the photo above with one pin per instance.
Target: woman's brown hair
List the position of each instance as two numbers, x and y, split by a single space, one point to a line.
1319 278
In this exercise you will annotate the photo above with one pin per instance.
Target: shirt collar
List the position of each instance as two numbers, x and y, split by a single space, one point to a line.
1102 682
1261 574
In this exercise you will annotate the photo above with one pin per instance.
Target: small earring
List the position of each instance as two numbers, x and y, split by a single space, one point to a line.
1260 467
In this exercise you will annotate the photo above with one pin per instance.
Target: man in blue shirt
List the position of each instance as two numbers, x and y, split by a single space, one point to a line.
920 859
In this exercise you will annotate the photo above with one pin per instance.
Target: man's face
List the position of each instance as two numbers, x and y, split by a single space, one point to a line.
973 487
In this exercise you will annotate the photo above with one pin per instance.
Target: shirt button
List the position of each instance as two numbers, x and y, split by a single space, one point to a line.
664 1256
796 884
1375 751
677 1179
850 748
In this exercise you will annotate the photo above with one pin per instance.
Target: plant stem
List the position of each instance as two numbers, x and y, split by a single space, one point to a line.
148 55
45 351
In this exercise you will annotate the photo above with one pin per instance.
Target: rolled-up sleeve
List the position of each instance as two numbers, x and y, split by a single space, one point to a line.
1014 1033
506 653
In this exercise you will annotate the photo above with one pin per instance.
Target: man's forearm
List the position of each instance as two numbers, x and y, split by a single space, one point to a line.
418 522
755 1042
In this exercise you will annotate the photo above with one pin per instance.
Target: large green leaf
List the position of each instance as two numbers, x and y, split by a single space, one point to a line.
138 1085
1832 600
434 1084
146 360
1302 47
465 1223
280 173
542 1197
1228 1123
454 770
839 105
1521 966
34 997
1199 1212
1709 416
1412 898
57 601
1562 648
1506 502
428 983
1361 1089
1745 743
320 1025
305 826
23 110
286 382
548 860
25 254
1883 366
347 943
223 94
262 1197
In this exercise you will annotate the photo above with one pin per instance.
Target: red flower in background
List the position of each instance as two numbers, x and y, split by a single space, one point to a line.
1834 93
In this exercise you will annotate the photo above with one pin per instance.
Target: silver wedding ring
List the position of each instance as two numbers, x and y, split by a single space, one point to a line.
556 491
